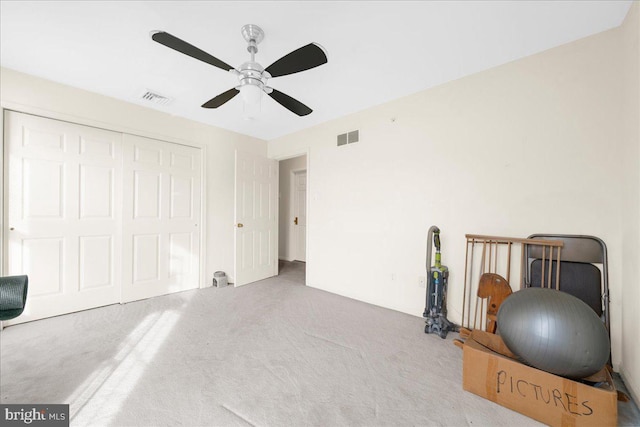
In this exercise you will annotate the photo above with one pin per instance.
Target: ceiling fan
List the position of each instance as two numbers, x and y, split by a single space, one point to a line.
251 75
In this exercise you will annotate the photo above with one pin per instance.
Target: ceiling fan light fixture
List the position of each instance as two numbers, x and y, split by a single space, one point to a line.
250 111
251 98
251 94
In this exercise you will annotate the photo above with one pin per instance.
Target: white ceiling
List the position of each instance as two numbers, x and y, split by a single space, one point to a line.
378 51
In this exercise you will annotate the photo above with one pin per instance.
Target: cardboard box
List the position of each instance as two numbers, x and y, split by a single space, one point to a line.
548 398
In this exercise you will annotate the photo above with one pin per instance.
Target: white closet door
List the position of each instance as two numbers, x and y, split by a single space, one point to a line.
161 218
63 197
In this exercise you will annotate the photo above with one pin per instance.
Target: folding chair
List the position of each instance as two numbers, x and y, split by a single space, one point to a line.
578 274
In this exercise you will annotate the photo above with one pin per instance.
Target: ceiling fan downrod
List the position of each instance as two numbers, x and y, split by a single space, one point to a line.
251 72
253 35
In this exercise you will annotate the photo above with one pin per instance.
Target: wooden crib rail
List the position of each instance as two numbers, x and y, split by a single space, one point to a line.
496 254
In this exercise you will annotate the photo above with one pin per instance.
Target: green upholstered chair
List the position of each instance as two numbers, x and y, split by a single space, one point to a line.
13 296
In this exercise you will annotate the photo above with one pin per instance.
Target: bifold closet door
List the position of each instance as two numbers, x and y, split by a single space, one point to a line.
161 218
62 207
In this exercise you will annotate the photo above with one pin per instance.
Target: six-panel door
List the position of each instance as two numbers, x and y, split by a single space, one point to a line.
161 218
256 214
63 213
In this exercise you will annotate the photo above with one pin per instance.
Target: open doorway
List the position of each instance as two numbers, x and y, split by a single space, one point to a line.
293 213
299 185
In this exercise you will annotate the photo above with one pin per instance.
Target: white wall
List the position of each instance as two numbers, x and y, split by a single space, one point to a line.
285 230
629 203
29 94
530 146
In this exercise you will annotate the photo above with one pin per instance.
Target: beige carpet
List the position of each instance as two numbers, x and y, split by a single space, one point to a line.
273 353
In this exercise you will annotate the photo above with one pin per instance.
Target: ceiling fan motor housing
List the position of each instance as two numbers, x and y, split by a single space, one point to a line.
252 73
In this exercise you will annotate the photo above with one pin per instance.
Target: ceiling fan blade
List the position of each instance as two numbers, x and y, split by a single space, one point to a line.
221 99
183 47
290 104
302 59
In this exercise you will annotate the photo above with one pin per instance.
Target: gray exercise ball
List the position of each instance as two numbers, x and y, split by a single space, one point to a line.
554 331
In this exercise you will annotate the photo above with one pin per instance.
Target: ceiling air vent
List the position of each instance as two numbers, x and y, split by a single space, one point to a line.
348 138
155 98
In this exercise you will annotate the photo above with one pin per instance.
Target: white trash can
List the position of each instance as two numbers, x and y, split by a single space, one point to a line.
219 279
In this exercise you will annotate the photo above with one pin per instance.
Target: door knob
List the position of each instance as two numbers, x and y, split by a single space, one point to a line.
295 221
240 225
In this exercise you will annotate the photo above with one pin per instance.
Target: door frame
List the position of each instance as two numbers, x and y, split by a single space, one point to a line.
292 204
109 126
3 215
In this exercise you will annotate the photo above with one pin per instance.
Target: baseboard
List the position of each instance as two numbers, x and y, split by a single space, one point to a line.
631 386
282 258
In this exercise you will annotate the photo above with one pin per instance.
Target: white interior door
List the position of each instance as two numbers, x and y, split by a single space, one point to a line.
161 218
256 215
300 215
63 196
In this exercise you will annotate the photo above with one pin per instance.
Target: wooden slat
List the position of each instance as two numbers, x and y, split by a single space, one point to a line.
470 278
558 270
550 267
509 262
484 254
522 265
505 240
464 294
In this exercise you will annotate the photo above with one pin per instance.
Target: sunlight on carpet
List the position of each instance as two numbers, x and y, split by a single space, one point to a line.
100 397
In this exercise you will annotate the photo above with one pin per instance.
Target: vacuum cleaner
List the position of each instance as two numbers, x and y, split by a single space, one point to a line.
435 311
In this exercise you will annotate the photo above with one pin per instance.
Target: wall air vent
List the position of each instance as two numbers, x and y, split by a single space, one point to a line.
155 98
348 138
